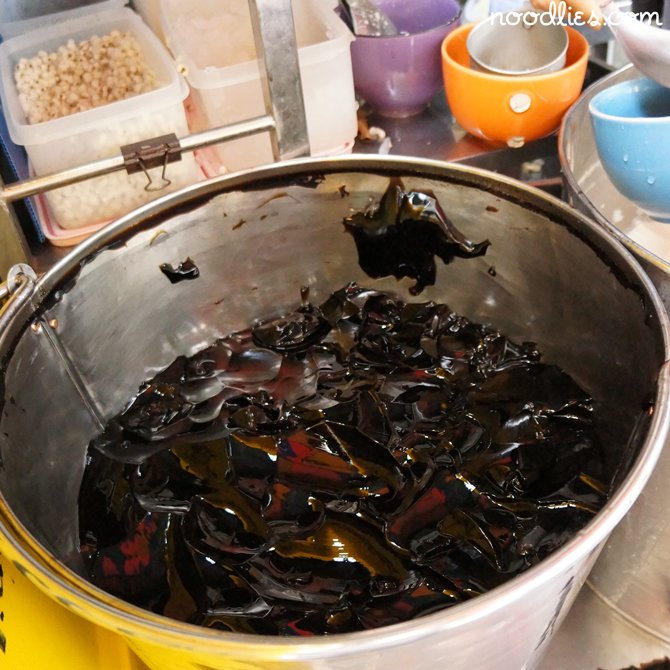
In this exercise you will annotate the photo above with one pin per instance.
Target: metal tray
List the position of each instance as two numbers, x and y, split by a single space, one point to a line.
595 636
589 189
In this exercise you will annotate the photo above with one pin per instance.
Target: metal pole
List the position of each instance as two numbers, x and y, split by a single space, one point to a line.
277 50
23 189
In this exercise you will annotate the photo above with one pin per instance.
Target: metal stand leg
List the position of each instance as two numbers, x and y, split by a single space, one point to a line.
280 76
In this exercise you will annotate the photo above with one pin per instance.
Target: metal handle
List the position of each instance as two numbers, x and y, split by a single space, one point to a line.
28 187
19 290
21 280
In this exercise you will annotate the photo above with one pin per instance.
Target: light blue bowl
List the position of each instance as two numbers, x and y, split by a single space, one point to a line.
631 127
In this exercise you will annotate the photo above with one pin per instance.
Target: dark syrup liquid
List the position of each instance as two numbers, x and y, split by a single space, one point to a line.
351 465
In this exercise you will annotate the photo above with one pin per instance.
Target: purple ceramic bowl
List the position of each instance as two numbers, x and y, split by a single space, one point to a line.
399 75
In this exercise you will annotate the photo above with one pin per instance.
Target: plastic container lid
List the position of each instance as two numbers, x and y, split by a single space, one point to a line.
171 86
20 16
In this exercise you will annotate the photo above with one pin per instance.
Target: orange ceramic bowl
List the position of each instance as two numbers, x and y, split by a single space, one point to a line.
510 109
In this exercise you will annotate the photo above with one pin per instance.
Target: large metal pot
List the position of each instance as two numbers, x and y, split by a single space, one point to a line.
76 345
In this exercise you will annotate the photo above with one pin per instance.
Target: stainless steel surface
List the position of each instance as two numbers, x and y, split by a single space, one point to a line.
245 232
631 581
594 636
275 38
633 577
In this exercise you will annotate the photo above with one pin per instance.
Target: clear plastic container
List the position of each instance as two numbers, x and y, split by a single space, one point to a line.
85 136
226 92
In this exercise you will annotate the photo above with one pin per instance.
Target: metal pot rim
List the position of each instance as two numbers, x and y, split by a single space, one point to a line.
41 567
574 186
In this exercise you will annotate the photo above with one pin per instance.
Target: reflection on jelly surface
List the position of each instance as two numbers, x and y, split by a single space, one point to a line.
348 466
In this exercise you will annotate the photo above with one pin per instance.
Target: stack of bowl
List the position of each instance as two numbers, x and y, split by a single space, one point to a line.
510 78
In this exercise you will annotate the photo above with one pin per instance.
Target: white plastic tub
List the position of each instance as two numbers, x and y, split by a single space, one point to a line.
76 139
226 92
